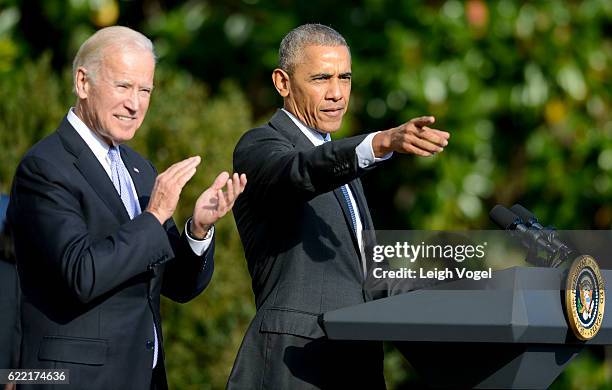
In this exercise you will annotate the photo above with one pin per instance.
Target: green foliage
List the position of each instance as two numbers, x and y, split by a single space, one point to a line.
586 372
38 100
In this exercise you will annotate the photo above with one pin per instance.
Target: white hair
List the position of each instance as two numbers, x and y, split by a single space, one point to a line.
91 52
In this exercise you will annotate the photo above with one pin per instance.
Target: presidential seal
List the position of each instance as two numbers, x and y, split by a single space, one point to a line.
585 297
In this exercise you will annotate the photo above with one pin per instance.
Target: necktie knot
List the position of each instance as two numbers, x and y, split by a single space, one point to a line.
113 153
114 156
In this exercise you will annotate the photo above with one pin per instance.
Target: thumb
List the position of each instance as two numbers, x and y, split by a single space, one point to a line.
220 181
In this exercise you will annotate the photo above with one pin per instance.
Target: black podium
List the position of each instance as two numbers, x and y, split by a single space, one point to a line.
506 332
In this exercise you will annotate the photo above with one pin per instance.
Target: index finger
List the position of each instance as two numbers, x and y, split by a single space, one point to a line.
423 121
185 164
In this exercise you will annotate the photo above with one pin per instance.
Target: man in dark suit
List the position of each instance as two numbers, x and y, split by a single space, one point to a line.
93 230
302 217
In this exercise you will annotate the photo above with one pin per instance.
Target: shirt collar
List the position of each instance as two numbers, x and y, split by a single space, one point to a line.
95 143
314 136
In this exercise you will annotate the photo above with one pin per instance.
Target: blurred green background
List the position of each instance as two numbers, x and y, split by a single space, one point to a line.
524 88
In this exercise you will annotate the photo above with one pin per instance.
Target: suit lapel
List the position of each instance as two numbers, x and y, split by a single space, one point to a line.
89 166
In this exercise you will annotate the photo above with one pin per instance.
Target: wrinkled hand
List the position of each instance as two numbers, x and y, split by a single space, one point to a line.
214 203
414 136
168 186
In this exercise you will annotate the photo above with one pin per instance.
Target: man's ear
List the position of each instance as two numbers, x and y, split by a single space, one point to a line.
280 78
82 83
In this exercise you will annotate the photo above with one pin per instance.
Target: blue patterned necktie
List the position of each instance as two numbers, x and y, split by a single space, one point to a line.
121 181
345 193
349 204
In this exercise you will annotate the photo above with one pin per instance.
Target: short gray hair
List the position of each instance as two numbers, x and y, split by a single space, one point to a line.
91 52
312 34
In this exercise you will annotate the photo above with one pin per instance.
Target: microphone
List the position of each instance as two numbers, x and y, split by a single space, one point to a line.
530 238
527 216
562 250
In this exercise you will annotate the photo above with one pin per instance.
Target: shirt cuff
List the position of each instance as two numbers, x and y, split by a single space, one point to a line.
365 152
199 246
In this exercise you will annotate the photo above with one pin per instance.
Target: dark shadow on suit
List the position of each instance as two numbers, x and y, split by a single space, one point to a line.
318 363
10 326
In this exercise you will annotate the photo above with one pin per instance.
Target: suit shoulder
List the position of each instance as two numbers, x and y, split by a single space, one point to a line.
46 160
259 135
46 154
46 148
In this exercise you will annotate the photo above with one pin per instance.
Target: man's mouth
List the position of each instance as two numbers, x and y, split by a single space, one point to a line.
125 117
333 111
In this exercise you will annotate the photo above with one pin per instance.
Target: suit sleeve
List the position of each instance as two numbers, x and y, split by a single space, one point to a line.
277 170
188 274
46 213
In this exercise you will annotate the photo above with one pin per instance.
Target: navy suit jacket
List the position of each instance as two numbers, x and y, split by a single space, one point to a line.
91 277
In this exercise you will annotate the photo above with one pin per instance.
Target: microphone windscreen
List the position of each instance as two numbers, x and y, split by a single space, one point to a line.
523 213
503 217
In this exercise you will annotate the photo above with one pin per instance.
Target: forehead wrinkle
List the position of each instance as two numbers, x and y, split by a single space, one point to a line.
124 67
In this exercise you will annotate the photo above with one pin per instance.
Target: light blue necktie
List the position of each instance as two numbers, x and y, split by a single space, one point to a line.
121 181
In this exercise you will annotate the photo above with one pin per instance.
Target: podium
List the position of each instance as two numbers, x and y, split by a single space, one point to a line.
507 332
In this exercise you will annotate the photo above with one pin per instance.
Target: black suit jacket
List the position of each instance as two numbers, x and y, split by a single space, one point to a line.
91 277
301 250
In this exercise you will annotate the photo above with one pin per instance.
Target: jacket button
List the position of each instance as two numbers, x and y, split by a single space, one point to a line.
150 344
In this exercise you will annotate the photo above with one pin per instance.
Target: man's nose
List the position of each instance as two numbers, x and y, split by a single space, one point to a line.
334 92
132 102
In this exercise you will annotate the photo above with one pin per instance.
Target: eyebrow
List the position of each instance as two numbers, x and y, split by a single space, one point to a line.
320 75
129 84
329 75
